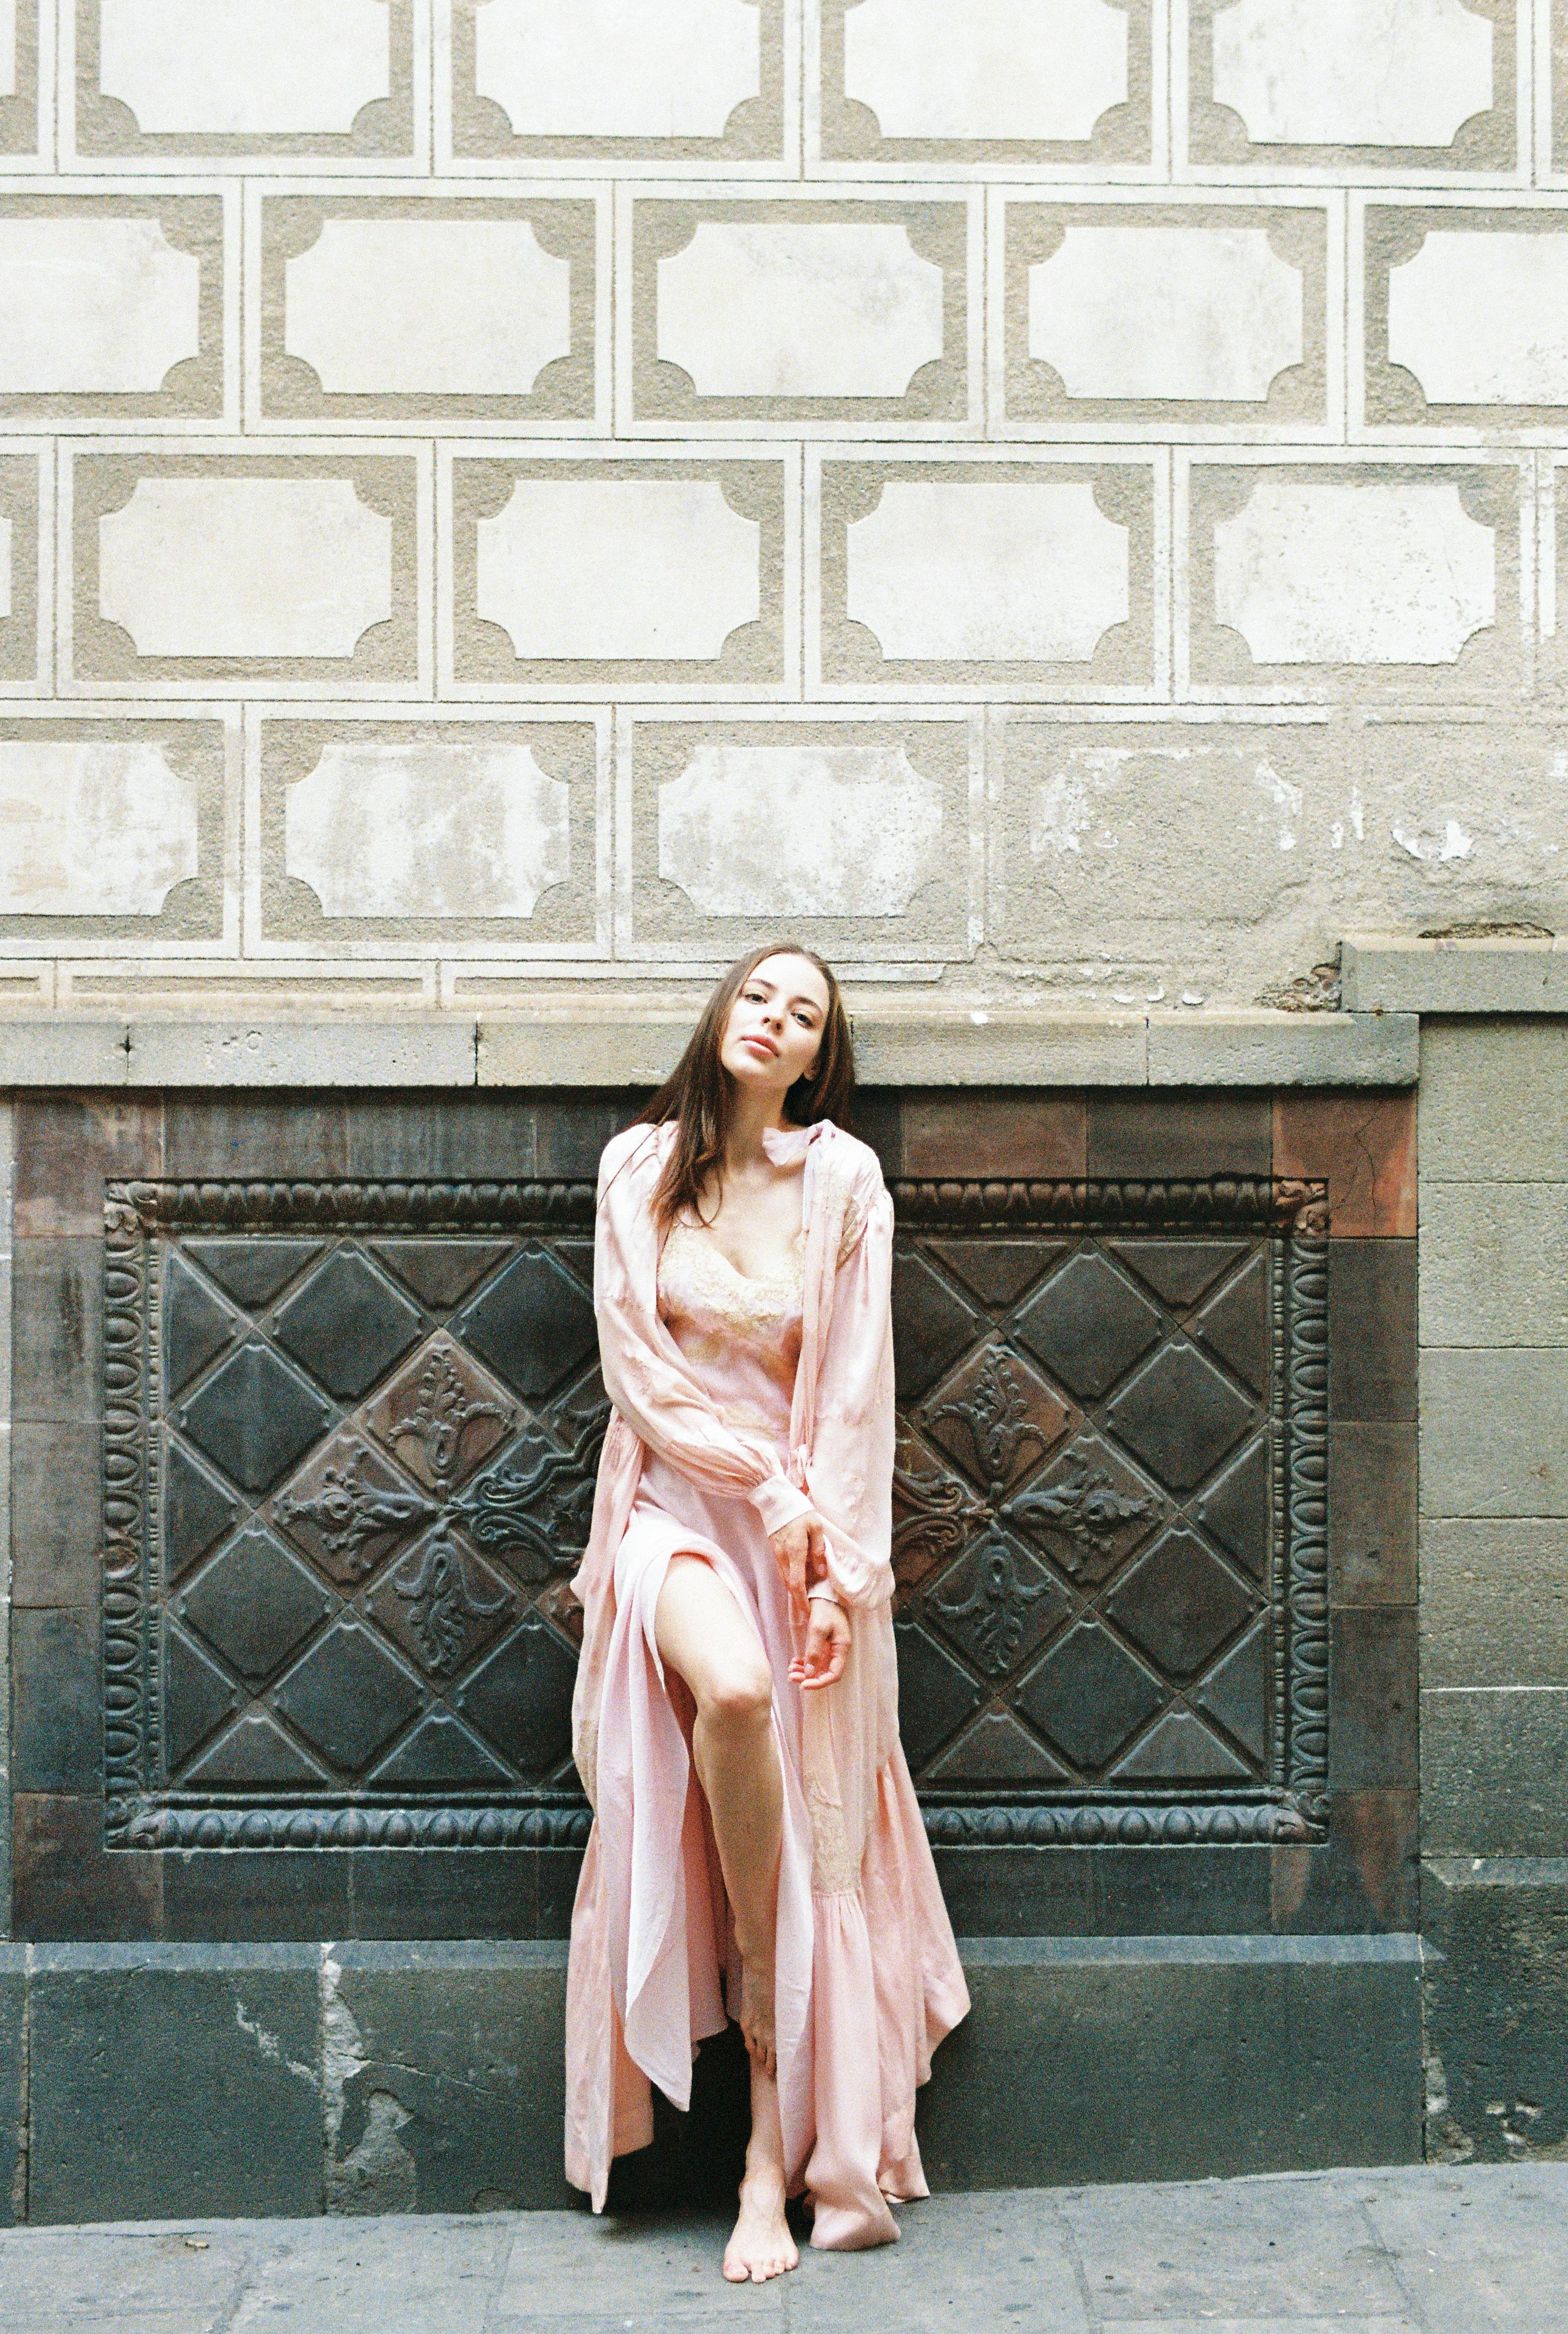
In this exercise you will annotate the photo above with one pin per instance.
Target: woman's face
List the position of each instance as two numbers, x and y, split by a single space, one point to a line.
774 1033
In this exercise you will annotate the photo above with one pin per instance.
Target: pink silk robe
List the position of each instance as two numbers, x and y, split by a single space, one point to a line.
868 1979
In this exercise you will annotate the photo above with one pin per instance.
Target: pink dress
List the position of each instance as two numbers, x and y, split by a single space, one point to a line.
738 1403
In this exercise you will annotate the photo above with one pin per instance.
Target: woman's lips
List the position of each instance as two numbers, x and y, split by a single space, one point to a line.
766 1045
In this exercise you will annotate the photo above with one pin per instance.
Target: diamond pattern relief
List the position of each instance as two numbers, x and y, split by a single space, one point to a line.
998 1604
348 1696
1089 1510
1178 1604
440 1417
1180 1416
997 1417
534 1324
1087 1695
1089 1323
376 1471
931 1325
347 1325
442 1604
349 1508
254 1416
255 1604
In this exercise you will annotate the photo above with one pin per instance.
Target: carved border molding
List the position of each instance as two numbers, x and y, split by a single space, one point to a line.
1293 1805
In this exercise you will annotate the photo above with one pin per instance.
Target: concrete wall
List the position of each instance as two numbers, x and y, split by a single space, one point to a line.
1494 1327
505 490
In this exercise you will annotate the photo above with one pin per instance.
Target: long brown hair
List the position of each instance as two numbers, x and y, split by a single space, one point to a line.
698 1093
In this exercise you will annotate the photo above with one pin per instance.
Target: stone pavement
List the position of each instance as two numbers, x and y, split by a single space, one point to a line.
1436 2251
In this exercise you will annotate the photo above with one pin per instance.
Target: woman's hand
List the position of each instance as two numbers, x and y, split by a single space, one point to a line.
827 1648
801 1552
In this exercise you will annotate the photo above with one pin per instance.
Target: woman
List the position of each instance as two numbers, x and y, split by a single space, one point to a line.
757 1846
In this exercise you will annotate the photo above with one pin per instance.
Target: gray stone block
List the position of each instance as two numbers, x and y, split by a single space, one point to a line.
1494 1771
1496 2008
1494 1264
1382 973
1283 1049
12 2081
1494 1601
174 2080
1168 2059
1493 1101
1494 1433
447 2060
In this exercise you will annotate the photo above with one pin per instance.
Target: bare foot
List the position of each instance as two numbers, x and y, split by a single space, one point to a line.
756 2017
762 2246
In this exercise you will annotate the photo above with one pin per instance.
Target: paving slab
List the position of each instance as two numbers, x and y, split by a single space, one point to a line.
1469 2249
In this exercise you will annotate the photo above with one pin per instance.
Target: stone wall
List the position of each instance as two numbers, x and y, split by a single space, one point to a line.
1055 494
1494 1316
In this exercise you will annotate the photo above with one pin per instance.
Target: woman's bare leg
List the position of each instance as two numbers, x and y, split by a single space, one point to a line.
704 1636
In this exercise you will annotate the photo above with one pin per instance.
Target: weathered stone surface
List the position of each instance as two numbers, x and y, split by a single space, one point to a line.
1494 1601
1497 2005
182 2078
445 2064
1495 1770
1493 1101
1494 1433
1143 2057
12 2092
1494 1264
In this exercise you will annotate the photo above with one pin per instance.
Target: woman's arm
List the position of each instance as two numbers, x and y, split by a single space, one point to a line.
851 1472
645 1374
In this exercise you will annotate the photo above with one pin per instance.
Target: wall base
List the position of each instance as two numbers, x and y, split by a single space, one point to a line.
178 2081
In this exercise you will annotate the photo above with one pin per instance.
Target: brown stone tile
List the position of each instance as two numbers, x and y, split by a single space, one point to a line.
68 1146
1363 1877
488 1137
1373 1329
1363 1145
64 1885
302 1136
57 1330
1181 1131
1371 1513
56 1512
988 1131
1373 1697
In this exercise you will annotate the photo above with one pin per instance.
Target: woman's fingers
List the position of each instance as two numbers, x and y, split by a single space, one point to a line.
826 1650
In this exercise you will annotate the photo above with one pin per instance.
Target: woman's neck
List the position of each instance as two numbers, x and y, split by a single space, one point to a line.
752 1117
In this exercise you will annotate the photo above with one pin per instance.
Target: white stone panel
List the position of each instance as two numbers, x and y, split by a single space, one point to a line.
7 48
421 828
1044 70
1483 319
5 600
1155 312
1371 571
794 308
444 307
618 567
617 68
92 827
800 829
93 304
244 68
973 572
1352 73
245 567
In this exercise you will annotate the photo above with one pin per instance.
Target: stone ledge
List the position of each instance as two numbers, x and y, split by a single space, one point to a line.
599 1045
1387 973
404 2077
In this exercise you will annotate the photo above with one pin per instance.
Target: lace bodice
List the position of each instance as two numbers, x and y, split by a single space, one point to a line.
741 1335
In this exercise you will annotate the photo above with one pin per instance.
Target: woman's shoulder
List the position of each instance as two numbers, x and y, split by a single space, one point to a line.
635 1148
861 1168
